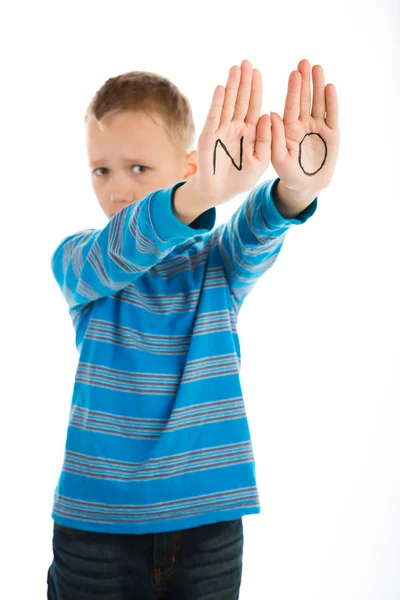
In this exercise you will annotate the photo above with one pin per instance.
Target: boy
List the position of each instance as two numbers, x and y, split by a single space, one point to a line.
159 469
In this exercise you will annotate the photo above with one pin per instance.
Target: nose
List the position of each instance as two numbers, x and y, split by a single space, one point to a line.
120 195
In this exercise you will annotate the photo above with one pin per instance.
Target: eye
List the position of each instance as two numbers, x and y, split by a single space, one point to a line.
99 169
140 167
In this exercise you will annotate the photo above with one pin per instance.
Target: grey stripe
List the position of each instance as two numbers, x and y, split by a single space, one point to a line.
177 472
215 496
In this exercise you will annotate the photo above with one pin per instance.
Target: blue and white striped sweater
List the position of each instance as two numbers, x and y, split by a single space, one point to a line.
158 438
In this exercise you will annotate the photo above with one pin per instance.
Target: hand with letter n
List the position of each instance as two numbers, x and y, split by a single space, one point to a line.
234 148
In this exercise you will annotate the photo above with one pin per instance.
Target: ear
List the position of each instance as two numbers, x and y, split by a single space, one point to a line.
191 166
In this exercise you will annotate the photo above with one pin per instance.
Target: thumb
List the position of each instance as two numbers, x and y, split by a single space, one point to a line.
278 144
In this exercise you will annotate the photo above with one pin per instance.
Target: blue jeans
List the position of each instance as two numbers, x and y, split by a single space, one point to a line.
191 564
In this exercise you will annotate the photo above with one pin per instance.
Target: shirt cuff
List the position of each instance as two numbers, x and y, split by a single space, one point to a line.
166 223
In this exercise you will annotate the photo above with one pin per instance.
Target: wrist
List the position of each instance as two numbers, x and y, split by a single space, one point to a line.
291 203
188 204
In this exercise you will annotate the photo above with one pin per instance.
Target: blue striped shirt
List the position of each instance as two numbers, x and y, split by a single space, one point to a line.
158 438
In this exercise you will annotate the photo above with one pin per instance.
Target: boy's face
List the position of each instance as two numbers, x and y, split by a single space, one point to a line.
131 155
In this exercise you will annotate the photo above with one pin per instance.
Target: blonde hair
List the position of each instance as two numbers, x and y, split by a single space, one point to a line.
150 93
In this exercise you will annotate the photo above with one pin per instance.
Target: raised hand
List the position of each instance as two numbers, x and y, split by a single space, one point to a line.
305 143
234 148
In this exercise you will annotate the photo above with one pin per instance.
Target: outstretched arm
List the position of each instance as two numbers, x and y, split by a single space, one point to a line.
234 152
93 264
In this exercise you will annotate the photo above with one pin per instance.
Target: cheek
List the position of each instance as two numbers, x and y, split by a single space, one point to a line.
95 185
101 195
99 188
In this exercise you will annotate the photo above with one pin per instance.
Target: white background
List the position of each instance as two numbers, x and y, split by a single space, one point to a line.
320 331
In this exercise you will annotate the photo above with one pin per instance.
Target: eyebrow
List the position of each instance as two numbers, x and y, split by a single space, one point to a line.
135 161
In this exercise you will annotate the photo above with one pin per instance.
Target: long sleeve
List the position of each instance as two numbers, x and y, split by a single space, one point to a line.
249 243
95 263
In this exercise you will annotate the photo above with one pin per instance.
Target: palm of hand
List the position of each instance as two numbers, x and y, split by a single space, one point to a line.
312 150
234 148
305 144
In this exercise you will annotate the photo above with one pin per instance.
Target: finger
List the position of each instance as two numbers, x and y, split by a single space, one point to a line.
332 109
214 114
292 105
253 114
318 106
305 94
231 91
262 146
278 140
244 92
